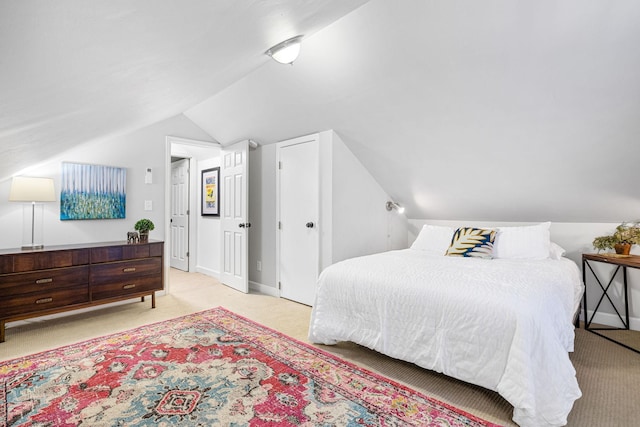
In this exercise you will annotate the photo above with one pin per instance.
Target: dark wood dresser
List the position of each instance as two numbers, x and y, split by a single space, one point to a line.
62 278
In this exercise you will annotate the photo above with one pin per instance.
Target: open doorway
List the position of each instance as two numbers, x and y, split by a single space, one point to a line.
185 158
179 219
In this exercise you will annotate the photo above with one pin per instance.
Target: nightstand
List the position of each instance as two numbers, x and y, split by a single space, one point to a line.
621 263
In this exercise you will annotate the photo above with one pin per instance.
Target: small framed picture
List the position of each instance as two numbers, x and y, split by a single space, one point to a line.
211 192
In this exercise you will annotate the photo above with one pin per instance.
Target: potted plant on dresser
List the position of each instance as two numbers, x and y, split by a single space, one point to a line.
626 235
143 226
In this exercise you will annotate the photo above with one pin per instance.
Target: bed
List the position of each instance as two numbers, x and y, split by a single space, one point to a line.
503 322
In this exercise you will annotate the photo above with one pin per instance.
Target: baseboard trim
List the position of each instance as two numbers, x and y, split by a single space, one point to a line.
264 289
208 272
613 321
253 286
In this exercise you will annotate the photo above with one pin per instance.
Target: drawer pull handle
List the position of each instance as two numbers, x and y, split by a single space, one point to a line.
44 300
130 286
129 270
42 281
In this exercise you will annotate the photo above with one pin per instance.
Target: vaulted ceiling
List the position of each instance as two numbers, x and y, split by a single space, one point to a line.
75 71
495 110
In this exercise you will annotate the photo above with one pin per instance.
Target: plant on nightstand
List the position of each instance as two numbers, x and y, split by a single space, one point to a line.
626 235
144 226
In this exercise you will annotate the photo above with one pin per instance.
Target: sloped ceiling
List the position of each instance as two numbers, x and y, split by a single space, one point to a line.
485 110
74 71
494 110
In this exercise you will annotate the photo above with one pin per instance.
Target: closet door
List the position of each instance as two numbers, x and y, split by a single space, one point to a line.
297 212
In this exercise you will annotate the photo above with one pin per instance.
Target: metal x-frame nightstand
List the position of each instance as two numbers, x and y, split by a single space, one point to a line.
621 263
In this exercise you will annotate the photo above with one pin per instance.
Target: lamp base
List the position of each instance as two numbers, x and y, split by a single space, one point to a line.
33 247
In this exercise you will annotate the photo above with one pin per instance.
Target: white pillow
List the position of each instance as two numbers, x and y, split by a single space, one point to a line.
556 251
527 242
433 238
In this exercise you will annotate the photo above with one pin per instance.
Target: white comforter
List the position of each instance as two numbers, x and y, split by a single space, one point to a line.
502 324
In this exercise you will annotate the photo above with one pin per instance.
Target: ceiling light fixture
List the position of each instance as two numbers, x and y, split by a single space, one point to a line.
393 205
287 51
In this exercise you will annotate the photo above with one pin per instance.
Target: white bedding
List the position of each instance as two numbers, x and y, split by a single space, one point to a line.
502 324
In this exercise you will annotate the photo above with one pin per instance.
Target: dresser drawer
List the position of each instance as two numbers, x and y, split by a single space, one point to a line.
42 280
122 252
46 300
120 287
123 270
18 263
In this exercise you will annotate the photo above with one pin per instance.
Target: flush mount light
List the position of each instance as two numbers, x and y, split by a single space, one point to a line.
287 51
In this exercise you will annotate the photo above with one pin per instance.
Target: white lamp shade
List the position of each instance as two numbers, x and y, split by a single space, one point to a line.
30 189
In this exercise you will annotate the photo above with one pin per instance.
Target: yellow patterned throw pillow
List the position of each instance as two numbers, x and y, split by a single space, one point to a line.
472 242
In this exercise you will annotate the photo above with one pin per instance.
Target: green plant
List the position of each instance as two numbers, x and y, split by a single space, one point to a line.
627 232
144 225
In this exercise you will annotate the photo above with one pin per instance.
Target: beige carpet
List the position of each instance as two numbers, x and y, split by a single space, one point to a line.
609 375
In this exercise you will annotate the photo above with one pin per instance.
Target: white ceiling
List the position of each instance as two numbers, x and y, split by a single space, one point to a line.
73 71
488 110
495 110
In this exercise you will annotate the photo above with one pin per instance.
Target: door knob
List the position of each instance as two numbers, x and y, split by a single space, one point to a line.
244 224
241 225
309 225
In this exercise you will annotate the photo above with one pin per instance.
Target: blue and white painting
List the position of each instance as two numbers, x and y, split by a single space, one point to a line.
92 192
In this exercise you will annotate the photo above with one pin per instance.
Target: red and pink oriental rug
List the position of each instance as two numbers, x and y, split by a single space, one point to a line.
213 368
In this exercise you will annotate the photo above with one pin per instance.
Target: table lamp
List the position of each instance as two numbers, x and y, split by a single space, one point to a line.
34 191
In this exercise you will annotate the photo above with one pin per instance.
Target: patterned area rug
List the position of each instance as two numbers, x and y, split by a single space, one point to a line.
213 368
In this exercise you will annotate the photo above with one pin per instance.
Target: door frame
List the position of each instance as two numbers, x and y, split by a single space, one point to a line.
176 142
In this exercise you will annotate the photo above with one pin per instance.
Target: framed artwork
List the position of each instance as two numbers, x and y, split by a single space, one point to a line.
92 192
211 192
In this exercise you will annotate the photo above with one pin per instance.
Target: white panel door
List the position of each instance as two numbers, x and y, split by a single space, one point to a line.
180 215
298 234
234 217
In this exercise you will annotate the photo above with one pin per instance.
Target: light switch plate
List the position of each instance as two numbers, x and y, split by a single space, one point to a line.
148 205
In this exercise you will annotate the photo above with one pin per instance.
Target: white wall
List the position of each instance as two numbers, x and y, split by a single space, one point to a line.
136 151
208 227
262 216
576 239
325 148
361 223
353 219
